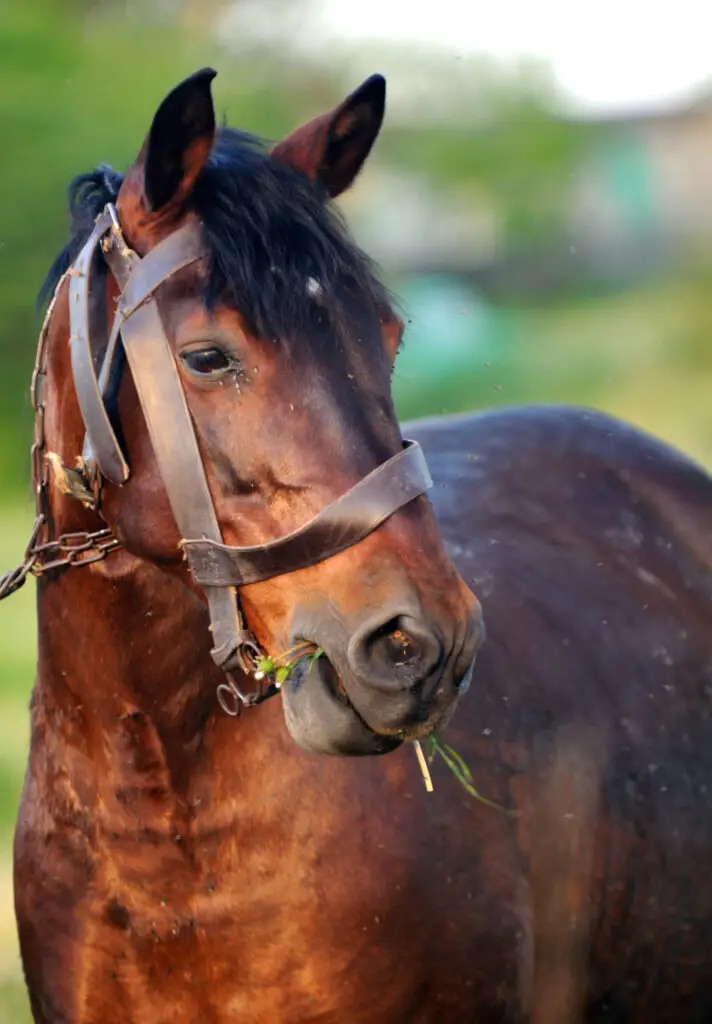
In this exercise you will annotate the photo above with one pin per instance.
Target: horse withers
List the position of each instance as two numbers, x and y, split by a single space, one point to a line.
216 444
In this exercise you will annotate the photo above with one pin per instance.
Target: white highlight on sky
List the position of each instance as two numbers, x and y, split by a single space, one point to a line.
611 55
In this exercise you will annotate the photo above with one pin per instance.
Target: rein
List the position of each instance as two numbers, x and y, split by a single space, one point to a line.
217 568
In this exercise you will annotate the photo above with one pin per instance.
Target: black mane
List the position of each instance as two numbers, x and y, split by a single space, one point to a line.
268 229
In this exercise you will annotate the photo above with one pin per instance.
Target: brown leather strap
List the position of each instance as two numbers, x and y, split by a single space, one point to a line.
175 252
137 280
169 423
83 301
170 426
341 524
234 646
121 260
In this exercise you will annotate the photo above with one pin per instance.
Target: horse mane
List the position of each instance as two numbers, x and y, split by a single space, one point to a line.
271 234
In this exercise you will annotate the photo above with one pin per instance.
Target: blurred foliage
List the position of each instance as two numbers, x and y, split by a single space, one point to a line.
79 83
642 354
76 91
13 1003
493 131
72 93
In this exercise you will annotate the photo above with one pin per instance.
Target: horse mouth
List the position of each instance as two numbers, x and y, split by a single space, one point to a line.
321 717
322 671
318 679
418 728
332 681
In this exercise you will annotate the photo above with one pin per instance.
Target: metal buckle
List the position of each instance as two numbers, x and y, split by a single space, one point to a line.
117 235
232 699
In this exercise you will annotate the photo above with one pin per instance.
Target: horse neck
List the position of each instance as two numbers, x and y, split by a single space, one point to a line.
123 637
125 718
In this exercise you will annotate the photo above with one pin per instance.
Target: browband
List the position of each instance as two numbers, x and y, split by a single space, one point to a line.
138 326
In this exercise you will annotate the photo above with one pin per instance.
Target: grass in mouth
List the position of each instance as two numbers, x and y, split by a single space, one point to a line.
279 668
437 748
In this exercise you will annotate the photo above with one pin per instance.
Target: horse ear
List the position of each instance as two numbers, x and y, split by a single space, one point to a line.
179 142
333 147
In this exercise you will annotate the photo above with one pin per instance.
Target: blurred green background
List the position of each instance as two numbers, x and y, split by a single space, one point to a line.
539 255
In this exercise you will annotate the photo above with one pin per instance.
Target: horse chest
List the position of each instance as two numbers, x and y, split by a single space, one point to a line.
227 931
341 912
307 956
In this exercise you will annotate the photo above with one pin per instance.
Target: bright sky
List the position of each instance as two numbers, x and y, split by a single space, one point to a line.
608 55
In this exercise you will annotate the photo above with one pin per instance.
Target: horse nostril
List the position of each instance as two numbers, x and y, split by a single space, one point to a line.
398 645
404 648
398 653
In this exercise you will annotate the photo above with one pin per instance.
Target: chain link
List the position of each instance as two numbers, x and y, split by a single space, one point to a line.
13 580
70 550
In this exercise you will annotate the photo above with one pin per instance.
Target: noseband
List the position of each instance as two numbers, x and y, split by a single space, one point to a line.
216 567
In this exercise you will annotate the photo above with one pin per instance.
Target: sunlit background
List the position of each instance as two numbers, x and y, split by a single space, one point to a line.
540 200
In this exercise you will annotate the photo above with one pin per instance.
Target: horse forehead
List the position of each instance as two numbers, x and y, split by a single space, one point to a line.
184 299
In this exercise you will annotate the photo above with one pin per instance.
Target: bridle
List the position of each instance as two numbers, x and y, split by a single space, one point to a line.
218 569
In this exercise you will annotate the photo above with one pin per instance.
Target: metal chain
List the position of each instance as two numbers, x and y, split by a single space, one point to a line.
13 580
70 550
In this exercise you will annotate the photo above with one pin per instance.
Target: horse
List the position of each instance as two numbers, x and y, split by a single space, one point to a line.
215 828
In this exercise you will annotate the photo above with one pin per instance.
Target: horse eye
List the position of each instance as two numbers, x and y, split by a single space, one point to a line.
208 362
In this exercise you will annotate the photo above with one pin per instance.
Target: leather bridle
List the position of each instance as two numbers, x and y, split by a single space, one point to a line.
219 570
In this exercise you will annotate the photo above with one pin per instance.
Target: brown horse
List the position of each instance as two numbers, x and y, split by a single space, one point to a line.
173 863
